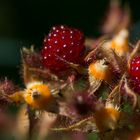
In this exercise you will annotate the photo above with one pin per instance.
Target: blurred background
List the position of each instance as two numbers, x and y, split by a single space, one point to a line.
23 23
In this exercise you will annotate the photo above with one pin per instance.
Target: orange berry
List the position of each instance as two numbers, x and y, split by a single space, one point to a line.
38 95
99 70
106 118
120 43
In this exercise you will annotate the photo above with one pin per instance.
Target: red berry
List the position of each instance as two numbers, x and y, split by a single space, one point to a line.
62 43
134 72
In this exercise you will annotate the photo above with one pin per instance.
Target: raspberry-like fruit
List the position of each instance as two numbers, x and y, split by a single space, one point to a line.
62 44
134 72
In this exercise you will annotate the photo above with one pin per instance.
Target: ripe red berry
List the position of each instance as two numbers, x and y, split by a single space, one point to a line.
134 72
62 43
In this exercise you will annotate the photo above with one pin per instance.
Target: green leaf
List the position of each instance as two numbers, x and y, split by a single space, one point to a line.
104 95
104 92
80 85
93 136
127 108
131 127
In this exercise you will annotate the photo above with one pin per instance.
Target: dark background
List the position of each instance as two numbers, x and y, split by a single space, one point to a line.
25 22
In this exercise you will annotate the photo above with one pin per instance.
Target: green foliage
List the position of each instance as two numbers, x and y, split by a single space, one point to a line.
104 92
93 136
80 85
130 126
127 107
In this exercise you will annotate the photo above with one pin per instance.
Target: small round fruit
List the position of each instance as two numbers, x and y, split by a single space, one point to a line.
134 72
62 44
